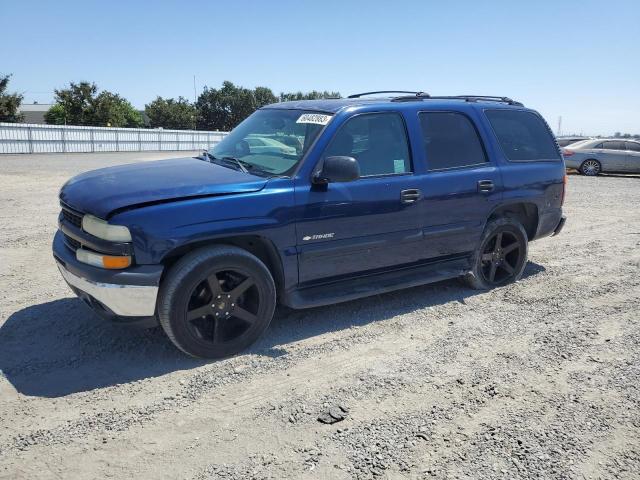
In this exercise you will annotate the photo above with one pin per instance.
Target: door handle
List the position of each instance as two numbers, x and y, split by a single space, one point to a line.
411 195
486 186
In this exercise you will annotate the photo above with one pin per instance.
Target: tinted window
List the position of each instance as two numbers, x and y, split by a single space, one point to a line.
523 135
378 142
600 145
450 140
633 146
613 145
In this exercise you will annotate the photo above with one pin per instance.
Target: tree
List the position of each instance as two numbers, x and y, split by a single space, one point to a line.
56 115
111 110
225 108
77 102
264 96
313 95
80 104
170 113
9 103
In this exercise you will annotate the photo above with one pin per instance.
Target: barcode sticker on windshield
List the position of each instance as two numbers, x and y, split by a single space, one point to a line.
316 118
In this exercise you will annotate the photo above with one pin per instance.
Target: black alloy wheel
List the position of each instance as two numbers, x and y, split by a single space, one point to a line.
502 254
216 301
223 307
501 257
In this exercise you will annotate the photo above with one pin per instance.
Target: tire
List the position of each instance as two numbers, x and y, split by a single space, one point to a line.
216 301
506 261
590 167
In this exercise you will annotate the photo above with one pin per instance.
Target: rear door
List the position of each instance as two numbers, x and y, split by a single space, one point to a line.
633 156
613 156
460 187
367 224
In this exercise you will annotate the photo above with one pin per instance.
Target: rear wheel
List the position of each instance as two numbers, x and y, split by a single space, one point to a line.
502 255
590 167
216 301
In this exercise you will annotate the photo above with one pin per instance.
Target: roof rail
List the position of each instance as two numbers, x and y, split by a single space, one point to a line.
466 98
358 95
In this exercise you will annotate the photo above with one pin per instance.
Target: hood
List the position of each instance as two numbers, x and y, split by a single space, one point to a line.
101 192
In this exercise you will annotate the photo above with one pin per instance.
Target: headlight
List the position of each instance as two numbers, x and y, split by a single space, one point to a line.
101 229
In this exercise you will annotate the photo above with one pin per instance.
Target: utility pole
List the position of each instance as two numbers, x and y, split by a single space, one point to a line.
194 90
195 118
559 125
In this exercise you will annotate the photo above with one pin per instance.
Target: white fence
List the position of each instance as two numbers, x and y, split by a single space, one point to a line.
35 138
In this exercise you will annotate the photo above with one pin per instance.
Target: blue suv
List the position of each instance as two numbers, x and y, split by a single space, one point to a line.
310 203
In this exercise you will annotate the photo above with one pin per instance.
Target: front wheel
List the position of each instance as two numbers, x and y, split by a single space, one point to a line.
502 255
216 301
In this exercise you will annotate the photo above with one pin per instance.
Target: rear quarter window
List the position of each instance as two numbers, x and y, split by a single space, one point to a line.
523 136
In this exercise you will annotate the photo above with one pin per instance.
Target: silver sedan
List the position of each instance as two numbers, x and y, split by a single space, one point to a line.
591 157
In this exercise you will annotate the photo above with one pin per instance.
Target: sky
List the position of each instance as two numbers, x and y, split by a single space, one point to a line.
572 59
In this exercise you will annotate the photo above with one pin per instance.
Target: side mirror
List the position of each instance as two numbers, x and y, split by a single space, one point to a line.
337 169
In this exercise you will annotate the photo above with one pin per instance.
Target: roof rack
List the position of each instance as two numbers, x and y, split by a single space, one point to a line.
466 98
358 95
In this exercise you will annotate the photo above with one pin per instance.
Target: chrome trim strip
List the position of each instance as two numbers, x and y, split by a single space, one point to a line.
124 300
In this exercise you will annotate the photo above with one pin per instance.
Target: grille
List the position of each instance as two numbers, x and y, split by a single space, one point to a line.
72 218
72 243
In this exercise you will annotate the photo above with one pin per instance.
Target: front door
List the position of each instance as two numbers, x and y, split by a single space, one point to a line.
367 224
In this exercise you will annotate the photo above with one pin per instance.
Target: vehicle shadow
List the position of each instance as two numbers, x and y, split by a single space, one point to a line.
621 175
60 347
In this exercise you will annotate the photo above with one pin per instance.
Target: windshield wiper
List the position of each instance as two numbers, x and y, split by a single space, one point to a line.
246 167
237 162
229 159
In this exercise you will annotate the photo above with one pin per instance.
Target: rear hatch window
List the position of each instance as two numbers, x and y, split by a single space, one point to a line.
523 136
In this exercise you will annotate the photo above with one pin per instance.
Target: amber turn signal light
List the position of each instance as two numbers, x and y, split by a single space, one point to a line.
103 261
116 262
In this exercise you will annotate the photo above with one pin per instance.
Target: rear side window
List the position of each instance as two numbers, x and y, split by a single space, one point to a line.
450 140
634 147
524 136
378 141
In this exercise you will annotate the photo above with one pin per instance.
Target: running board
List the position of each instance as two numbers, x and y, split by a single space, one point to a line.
365 286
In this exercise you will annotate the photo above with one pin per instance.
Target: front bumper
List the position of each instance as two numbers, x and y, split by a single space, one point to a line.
131 292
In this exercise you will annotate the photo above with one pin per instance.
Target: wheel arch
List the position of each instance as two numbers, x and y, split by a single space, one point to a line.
525 212
259 246
595 160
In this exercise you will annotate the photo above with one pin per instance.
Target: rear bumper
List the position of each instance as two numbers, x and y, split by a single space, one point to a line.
572 162
560 226
115 294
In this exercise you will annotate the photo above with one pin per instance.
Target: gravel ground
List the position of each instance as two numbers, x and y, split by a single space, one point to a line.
539 379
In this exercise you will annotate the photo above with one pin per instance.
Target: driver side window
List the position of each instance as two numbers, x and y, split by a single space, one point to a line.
378 141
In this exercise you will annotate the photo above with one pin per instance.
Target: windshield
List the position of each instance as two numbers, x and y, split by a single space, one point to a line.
272 141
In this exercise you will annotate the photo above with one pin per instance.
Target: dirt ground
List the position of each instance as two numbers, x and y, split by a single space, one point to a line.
539 379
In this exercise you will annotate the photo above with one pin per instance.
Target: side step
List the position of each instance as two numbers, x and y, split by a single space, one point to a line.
374 284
